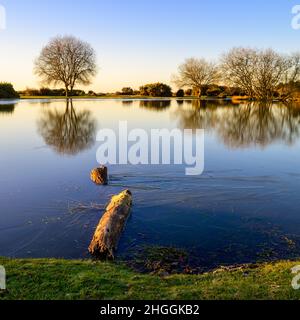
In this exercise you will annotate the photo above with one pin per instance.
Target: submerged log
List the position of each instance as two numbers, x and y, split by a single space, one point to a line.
99 175
111 225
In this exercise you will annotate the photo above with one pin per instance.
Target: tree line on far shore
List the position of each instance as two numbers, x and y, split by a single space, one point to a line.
254 73
148 90
157 90
7 91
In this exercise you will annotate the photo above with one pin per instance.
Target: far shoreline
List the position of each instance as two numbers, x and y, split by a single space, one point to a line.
233 99
123 97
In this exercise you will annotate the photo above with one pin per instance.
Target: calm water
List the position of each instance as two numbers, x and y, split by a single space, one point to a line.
244 208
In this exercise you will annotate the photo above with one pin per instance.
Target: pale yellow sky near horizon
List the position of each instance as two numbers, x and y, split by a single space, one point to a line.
115 70
107 79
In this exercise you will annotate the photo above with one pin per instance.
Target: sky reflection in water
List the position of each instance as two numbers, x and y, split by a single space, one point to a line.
244 208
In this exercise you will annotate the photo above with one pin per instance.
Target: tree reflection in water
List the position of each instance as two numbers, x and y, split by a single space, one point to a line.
243 125
127 103
156 105
7 109
69 132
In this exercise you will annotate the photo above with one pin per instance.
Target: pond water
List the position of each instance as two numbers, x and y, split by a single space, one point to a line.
245 207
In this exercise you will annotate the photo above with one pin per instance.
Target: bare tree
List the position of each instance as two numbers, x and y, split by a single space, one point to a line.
291 76
269 71
238 69
66 60
196 73
260 72
294 61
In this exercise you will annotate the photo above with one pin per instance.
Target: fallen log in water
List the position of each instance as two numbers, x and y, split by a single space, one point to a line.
111 225
99 175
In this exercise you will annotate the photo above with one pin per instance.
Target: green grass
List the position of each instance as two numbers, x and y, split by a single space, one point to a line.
45 279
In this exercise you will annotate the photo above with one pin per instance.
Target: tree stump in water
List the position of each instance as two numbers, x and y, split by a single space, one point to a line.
111 225
99 175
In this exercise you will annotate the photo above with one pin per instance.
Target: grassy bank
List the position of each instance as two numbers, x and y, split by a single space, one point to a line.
69 279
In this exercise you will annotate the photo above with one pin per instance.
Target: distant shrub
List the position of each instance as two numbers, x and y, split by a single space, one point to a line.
180 93
233 91
45 92
31 92
127 91
144 90
7 91
213 91
58 92
77 93
156 90
188 92
50 92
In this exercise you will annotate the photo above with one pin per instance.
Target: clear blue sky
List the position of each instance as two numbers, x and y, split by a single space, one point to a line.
140 41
